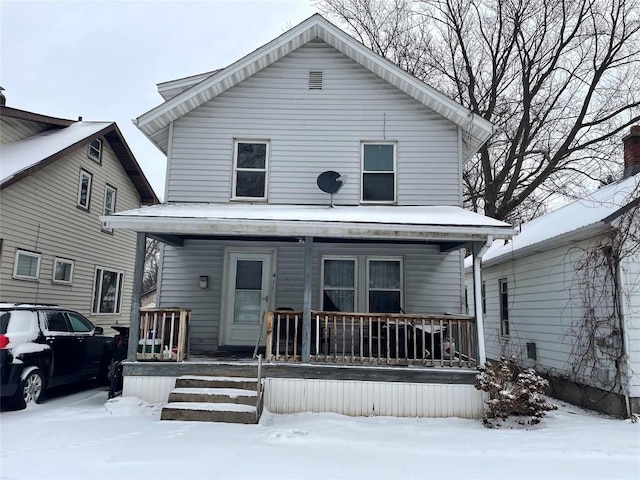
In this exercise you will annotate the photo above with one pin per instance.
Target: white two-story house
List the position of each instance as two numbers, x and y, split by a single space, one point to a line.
314 214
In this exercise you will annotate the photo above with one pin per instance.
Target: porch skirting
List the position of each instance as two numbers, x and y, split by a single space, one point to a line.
347 397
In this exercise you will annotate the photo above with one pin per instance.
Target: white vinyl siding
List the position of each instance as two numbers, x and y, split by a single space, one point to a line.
311 131
84 189
432 280
14 129
26 265
39 213
62 271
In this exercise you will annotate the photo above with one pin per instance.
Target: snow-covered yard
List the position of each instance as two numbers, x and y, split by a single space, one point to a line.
84 436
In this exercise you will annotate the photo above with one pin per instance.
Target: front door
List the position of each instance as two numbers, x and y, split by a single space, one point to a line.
248 297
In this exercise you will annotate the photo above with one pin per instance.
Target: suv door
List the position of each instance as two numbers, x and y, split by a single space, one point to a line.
65 348
91 345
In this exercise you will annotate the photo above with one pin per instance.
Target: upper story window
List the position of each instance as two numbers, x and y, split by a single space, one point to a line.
84 189
94 151
378 172
63 271
250 165
504 307
26 265
109 203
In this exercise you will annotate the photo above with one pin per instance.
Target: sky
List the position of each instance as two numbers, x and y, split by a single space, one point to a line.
103 60
83 436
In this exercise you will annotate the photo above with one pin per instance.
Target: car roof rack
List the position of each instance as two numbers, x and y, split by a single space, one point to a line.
36 304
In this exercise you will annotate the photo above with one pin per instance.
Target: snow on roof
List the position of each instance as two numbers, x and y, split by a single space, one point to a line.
389 221
19 156
583 213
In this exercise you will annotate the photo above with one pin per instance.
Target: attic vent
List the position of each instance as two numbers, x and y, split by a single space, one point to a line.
315 80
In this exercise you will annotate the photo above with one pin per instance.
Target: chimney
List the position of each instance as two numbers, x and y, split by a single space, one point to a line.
3 100
632 152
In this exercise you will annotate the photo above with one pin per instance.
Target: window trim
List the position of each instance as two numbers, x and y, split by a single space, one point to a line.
234 173
355 278
57 260
104 205
401 289
119 291
394 172
27 253
89 175
504 306
91 148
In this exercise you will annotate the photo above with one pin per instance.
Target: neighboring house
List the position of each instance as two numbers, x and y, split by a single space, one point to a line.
57 178
148 298
254 250
564 295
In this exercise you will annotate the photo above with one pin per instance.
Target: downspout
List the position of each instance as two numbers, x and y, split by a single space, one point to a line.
477 297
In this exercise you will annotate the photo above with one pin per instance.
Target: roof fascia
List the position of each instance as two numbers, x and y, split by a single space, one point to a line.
10 112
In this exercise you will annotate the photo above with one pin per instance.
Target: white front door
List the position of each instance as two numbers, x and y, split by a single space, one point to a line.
248 297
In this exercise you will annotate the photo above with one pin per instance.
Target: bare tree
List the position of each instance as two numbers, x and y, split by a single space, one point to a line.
151 259
558 78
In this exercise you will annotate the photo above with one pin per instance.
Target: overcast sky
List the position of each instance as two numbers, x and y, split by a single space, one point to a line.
102 60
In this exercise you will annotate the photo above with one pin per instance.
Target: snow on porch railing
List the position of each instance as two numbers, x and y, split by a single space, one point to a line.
164 334
368 338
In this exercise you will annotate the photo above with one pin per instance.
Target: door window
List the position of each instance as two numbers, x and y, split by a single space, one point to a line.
248 291
57 322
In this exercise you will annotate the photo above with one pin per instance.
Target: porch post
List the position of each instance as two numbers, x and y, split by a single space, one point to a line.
138 274
306 307
477 295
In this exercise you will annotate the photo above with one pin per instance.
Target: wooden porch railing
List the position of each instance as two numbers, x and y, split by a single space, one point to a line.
164 334
368 338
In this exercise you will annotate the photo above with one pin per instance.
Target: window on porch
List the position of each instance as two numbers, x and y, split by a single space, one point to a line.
339 284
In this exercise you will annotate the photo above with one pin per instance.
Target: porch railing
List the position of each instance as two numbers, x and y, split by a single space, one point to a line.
368 338
164 334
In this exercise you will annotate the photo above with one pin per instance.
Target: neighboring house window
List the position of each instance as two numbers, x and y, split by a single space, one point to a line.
250 169
109 203
484 298
378 172
466 300
63 271
339 284
384 285
26 265
504 307
84 189
107 293
95 150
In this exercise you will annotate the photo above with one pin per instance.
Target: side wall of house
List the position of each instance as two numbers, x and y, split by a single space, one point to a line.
631 309
311 131
432 282
14 129
39 214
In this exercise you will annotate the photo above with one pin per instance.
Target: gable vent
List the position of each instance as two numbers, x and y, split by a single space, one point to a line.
315 80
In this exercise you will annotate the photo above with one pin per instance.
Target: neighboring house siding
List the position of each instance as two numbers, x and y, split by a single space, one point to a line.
311 131
631 280
39 213
432 282
545 307
14 129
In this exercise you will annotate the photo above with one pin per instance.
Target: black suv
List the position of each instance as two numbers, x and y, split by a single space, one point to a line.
43 346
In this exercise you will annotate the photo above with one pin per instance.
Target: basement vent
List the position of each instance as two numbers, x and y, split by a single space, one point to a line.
315 80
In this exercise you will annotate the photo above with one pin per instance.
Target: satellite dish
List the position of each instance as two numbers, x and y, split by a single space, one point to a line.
330 182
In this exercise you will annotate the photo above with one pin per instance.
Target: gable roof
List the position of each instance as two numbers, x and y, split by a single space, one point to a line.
20 159
154 124
593 211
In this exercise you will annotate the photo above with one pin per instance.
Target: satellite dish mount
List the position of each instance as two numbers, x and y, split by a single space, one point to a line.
330 182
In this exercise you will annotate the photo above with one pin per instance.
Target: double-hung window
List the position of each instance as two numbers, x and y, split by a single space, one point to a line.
84 189
504 306
107 291
62 271
384 285
109 203
250 165
94 151
26 265
339 284
378 172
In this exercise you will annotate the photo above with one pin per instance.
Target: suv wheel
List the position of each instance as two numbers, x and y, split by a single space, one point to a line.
30 390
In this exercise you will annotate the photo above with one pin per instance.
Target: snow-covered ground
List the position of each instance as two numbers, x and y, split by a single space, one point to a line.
84 436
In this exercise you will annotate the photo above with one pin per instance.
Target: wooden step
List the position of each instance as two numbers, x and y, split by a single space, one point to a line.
210 412
214 395
204 381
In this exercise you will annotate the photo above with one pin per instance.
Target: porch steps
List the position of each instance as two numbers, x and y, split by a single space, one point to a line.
204 398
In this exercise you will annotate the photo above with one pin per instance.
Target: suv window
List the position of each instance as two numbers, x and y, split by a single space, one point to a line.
57 322
79 324
16 321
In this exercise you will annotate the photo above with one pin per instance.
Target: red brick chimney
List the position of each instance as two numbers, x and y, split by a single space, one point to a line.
632 152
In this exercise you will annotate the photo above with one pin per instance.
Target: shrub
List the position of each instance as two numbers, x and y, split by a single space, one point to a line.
513 392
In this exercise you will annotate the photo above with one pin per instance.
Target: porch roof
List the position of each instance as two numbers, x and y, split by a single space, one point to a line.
363 221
